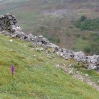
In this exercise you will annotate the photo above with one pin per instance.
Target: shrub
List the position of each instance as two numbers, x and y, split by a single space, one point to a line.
57 40
77 35
84 38
83 18
42 27
87 49
68 34
87 24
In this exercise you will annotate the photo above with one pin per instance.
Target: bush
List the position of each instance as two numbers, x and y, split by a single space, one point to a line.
77 35
87 49
68 34
57 40
42 27
84 38
87 24
83 18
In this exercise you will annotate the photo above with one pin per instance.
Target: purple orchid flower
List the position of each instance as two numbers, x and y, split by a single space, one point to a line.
12 70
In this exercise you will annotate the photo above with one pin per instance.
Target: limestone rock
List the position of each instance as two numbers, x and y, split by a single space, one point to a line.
79 56
30 37
8 22
92 67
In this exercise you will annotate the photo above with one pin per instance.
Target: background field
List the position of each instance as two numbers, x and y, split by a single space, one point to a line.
54 20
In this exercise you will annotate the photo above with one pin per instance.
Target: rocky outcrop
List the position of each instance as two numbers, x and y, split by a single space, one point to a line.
8 22
9 27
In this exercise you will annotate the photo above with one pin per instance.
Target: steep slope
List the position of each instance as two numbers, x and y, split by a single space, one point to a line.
36 76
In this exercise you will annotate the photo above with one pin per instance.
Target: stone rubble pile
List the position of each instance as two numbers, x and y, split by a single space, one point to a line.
8 27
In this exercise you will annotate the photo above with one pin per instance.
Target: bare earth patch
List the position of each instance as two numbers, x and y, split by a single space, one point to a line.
78 75
68 12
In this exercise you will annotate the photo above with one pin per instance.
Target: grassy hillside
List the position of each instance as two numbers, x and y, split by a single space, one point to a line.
36 76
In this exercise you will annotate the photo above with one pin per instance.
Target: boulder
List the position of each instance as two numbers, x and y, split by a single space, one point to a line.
98 60
14 28
79 56
43 40
30 37
91 67
66 54
93 59
20 35
53 47
6 33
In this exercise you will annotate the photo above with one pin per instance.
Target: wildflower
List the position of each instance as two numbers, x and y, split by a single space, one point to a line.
12 70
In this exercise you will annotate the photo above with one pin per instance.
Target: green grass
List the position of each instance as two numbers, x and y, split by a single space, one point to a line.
93 74
37 77
80 44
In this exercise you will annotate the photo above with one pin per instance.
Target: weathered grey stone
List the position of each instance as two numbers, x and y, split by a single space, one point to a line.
93 60
11 40
71 65
79 56
20 35
98 60
66 54
54 47
6 33
57 66
14 28
86 75
92 67
42 39
39 49
30 37
71 71
8 22
23 37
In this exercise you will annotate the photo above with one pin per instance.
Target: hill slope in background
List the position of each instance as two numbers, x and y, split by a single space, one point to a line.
54 20
36 76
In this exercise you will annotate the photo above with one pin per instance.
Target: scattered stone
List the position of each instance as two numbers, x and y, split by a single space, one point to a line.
71 71
57 66
92 67
50 57
30 65
11 40
11 51
81 79
77 72
32 49
90 77
39 49
25 45
34 55
98 81
71 65
30 37
86 75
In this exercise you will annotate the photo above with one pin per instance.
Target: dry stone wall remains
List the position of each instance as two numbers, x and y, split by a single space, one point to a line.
9 27
8 22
